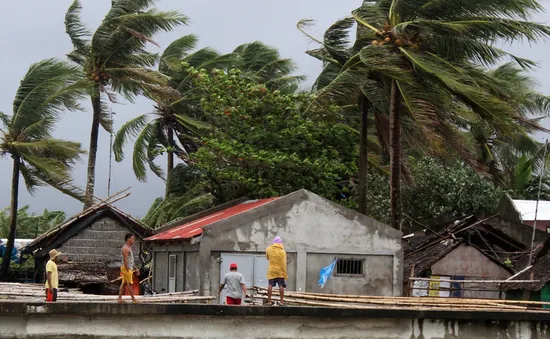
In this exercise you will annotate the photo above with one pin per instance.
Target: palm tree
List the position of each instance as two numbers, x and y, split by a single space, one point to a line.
336 50
176 115
263 65
427 56
49 87
114 58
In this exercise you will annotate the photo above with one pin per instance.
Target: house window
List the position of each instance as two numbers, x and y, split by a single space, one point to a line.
349 267
547 229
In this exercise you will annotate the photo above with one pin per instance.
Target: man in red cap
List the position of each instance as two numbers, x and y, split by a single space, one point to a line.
236 287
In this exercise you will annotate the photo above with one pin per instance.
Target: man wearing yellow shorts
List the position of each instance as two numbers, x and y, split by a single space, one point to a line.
127 268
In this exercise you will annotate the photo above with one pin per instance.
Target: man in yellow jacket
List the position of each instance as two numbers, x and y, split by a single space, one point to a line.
276 273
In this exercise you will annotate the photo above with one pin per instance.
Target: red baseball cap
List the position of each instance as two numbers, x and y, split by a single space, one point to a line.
233 266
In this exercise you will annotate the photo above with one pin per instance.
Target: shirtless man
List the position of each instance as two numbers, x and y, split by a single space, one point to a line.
127 268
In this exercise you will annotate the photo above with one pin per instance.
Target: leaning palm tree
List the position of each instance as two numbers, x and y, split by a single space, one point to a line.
263 65
178 118
114 58
427 57
177 113
48 88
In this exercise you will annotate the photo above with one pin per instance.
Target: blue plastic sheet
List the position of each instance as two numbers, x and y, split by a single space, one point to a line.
325 273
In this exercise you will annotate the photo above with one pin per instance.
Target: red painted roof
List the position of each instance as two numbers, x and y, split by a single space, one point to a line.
194 228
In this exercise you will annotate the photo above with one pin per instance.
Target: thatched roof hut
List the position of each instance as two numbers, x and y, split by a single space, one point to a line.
430 246
92 242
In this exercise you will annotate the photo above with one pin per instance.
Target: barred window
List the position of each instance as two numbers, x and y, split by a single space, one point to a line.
349 267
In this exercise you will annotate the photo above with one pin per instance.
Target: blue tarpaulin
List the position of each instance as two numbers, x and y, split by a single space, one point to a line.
325 273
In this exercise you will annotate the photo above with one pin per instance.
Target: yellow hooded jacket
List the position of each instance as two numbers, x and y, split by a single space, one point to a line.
277 262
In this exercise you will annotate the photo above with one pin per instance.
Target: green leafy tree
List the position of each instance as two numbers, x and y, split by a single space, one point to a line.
264 144
114 60
440 189
48 88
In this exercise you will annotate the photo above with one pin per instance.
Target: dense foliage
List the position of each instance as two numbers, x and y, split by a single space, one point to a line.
439 190
264 144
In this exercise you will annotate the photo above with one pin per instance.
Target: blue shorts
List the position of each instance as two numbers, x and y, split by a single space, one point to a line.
277 281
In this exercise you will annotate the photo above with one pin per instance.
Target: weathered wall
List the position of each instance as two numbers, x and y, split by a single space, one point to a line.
160 271
102 241
192 281
308 224
376 280
105 321
215 267
521 232
468 262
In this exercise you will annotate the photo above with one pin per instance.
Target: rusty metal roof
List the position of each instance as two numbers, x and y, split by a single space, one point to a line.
194 228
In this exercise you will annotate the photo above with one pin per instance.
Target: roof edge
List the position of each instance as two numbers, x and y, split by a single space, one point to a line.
193 217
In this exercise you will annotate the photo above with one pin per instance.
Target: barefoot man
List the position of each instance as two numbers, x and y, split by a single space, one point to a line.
127 268
276 273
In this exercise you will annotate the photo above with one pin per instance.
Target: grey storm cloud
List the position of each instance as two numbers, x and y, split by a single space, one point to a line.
31 30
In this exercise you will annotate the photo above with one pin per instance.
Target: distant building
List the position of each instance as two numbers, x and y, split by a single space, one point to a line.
527 208
195 252
477 247
92 242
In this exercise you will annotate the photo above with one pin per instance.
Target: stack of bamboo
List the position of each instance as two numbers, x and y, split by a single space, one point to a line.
412 303
36 292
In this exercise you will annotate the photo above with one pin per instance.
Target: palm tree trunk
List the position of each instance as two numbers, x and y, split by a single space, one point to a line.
13 219
92 155
395 158
363 156
170 160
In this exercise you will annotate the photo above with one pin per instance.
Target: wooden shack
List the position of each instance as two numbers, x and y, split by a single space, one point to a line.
472 248
91 242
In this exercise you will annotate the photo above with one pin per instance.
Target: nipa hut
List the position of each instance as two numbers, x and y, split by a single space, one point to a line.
91 241
539 271
471 248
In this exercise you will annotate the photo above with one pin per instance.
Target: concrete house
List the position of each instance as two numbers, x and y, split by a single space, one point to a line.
195 252
92 242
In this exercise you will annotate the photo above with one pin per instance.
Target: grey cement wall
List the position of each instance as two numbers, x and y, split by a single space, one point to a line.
104 321
307 224
101 242
376 280
192 281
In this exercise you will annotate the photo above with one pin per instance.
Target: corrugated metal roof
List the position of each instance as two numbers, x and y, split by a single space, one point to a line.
527 209
194 228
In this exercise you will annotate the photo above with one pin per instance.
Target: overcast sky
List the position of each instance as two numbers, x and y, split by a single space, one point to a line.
31 30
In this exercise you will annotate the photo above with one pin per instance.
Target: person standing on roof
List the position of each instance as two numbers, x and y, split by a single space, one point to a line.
236 287
276 272
52 280
127 268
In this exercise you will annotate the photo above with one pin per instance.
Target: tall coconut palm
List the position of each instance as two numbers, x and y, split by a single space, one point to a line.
49 87
335 51
114 58
428 55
